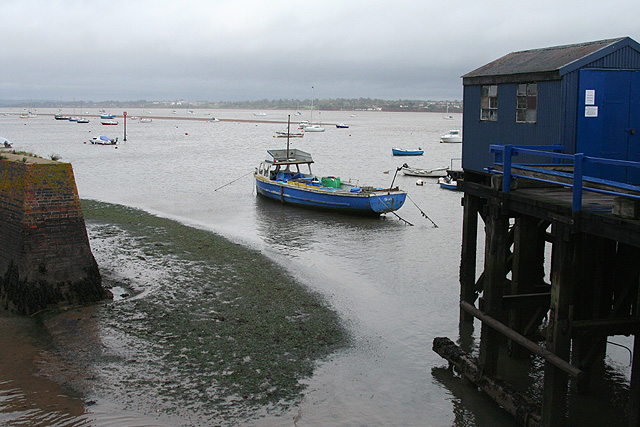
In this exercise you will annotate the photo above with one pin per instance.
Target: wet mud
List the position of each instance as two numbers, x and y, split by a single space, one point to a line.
200 331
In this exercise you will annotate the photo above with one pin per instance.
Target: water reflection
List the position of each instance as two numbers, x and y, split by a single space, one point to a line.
291 229
29 394
471 407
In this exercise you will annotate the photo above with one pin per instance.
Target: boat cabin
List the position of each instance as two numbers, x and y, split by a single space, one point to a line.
285 165
584 97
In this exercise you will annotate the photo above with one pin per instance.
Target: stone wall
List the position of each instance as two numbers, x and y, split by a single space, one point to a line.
45 257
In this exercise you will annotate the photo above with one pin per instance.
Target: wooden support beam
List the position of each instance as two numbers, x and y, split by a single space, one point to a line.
523 341
510 302
606 327
554 394
495 260
468 291
523 408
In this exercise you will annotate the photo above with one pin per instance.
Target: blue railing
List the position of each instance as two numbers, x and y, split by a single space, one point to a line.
504 155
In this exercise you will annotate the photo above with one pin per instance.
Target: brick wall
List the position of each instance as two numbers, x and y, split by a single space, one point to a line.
45 257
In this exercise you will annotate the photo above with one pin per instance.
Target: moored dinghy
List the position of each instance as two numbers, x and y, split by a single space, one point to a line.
103 140
425 173
282 179
404 152
448 183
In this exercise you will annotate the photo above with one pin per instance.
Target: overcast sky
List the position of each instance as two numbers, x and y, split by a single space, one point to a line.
227 50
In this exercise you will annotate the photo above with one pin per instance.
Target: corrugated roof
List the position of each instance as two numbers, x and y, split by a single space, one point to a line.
543 60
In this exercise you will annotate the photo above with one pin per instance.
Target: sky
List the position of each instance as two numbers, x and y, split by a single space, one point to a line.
239 50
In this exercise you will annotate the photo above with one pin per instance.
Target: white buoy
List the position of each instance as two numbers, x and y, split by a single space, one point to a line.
419 182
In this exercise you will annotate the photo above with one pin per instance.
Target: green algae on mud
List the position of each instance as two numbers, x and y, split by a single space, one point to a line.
220 327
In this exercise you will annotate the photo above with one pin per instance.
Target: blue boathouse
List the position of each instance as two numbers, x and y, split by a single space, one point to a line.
551 159
583 96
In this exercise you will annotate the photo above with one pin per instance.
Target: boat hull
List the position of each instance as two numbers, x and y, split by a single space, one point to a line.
400 152
361 203
450 139
448 184
433 173
454 136
313 128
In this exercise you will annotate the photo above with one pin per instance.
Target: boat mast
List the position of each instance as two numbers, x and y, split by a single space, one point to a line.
311 118
288 133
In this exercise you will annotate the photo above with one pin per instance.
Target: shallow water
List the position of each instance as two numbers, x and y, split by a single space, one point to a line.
394 286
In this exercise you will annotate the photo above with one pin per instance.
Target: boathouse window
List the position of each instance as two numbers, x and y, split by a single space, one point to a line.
489 103
527 103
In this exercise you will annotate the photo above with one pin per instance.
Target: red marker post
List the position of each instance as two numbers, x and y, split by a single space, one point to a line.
125 125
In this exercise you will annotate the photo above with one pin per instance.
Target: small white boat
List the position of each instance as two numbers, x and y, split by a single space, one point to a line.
146 120
103 140
453 136
448 183
213 119
424 173
259 114
313 128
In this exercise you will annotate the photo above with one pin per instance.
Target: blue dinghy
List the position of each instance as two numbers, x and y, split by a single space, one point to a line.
403 152
282 179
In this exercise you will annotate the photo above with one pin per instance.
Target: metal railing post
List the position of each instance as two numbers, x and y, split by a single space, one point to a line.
506 179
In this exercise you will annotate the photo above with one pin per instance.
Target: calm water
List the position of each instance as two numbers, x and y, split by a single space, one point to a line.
395 286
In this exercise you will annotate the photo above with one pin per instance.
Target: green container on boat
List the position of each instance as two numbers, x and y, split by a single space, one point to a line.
331 181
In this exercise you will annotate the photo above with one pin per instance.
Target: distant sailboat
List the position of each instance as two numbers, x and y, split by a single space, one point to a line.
447 116
310 127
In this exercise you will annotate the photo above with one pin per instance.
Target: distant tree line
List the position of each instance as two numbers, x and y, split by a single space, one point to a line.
339 104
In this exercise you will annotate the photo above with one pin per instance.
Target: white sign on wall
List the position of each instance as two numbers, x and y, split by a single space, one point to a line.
589 97
591 111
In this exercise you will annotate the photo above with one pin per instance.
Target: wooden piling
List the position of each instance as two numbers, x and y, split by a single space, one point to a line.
496 249
527 276
468 290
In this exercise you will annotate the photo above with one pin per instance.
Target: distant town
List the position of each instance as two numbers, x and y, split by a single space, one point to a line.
339 104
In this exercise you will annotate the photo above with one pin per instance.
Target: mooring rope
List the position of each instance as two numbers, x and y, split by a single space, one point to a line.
393 212
229 183
422 212
401 219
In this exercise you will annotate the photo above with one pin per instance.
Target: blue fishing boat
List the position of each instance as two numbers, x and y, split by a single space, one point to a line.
107 116
281 178
403 152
